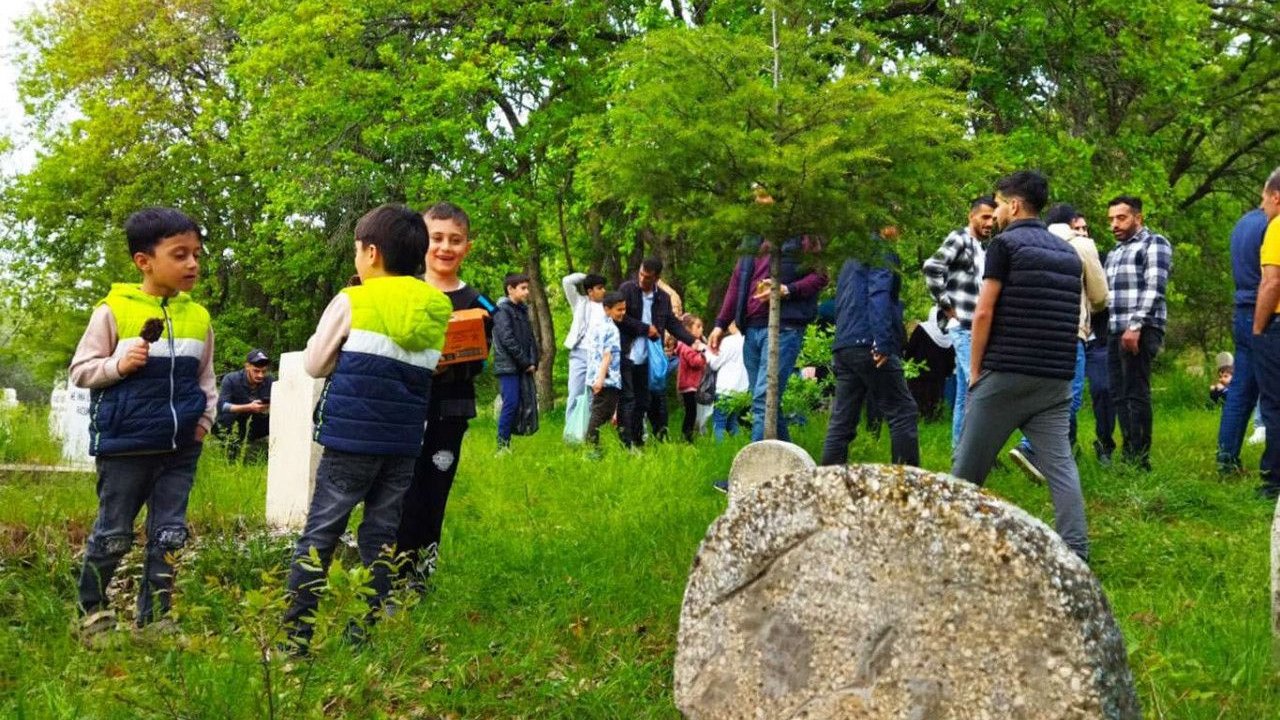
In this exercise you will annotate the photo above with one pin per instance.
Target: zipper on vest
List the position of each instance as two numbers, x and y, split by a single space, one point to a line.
173 358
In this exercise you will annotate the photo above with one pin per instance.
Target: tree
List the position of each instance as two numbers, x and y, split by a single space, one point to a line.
700 116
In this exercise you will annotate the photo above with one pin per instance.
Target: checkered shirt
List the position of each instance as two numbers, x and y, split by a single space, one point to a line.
953 276
1138 273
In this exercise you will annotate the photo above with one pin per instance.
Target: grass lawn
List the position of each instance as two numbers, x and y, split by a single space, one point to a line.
560 585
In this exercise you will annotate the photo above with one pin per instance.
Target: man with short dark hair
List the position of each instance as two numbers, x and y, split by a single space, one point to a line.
1246 271
954 276
648 317
244 402
1266 339
1023 358
1138 273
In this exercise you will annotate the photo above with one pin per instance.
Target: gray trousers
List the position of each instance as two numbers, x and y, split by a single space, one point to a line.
1002 402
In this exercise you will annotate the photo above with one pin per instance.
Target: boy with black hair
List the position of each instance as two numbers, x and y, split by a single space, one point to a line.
515 351
147 357
583 292
452 403
1024 352
605 347
377 343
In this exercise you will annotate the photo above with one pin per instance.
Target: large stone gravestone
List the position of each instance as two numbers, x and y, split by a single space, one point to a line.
889 592
57 410
292 455
9 398
762 461
75 428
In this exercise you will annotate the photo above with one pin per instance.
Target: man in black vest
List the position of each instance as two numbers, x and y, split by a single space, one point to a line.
648 316
1024 352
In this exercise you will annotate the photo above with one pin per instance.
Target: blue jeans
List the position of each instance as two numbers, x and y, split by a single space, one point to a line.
755 355
1266 371
1243 394
1104 413
509 387
722 423
163 483
961 340
344 480
577 378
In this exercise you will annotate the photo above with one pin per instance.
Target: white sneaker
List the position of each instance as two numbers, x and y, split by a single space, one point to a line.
1259 436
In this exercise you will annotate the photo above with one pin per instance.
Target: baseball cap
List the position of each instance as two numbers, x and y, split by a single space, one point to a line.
257 357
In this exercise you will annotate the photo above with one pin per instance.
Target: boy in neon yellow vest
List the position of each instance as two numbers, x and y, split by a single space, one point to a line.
378 344
147 357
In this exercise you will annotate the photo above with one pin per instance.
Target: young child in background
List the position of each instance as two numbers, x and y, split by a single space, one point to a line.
378 344
605 356
693 365
515 352
731 378
147 357
1226 368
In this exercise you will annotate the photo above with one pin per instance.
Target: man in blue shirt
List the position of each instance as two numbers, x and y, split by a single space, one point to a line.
1246 243
867 356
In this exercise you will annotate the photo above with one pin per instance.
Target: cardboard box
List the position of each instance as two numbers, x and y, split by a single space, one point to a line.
464 339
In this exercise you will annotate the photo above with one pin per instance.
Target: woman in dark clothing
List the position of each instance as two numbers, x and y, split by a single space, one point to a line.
930 343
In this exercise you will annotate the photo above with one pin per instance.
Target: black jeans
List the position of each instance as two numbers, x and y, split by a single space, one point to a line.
163 483
633 402
1131 392
1098 372
422 519
344 480
603 405
858 380
1266 368
689 427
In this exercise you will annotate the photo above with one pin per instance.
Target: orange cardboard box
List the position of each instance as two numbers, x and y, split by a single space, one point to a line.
464 339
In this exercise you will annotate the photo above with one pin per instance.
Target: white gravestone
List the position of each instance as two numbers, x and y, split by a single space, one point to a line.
9 399
57 410
293 455
75 428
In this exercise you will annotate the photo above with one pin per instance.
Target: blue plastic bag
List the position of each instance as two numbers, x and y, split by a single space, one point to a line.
575 425
657 366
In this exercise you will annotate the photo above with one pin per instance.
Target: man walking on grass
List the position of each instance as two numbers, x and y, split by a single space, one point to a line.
1024 352
1266 339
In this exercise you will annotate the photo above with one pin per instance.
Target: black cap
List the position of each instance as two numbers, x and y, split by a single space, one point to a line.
257 357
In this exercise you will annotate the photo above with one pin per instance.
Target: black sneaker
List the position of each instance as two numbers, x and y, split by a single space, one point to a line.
1267 492
721 485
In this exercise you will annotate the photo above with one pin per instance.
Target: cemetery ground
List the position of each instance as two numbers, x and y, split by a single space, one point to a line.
561 580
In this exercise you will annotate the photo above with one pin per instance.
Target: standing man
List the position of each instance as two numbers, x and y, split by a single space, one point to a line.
648 317
1246 248
1266 339
953 275
1138 273
746 302
1024 352
515 351
868 356
588 313
244 402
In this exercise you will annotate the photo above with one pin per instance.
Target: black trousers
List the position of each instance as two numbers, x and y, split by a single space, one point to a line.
423 516
858 380
690 425
1131 392
1098 372
633 403
603 405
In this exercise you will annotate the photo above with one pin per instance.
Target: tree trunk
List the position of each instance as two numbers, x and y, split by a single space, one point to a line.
772 400
543 327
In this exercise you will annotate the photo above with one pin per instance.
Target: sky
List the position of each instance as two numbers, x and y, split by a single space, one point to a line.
11 114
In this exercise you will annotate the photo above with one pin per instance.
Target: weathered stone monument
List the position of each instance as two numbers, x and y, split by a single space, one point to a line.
762 461
889 592
9 398
292 455
57 410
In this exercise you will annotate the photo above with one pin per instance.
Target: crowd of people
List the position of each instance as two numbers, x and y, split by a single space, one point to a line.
1026 306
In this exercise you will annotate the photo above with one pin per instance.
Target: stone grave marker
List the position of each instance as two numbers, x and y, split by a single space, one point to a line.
57 410
292 455
880 592
75 428
764 460
9 398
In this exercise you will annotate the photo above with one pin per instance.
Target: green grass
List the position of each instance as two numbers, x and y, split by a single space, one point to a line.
561 579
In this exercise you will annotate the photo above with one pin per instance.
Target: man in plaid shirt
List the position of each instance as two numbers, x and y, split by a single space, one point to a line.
954 277
1138 273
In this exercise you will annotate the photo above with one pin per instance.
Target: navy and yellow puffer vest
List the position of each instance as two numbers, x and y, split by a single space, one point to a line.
156 408
375 402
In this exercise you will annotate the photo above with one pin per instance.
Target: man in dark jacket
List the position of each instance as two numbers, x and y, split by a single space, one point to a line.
867 355
244 402
746 302
515 351
649 317
1024 352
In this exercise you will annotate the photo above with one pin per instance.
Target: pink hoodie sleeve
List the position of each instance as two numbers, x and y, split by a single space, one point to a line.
321 354
94 365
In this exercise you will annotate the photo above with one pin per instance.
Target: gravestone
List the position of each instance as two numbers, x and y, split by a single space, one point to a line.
882 592
57 410
75 428
762 461
9 398
292 455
